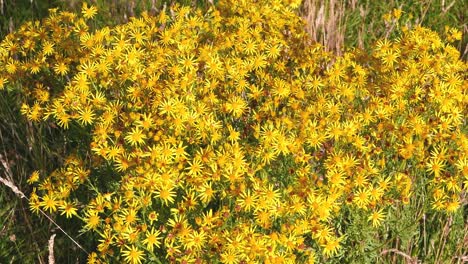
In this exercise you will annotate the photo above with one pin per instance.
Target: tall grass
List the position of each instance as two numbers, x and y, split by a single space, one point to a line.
25 147
21 234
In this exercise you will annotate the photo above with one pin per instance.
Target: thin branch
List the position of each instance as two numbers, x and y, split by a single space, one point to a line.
398 252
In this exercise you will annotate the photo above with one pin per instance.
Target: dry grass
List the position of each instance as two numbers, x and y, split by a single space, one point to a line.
326 22
9 181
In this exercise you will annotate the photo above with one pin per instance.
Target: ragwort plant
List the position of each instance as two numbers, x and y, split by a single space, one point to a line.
227 136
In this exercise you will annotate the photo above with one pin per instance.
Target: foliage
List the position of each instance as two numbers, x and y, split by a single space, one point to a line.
226 135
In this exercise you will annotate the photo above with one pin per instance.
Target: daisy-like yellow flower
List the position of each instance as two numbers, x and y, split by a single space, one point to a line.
376 217
11 67
331 246
206 193
323 234
452 205
88 12
362 198
34 177
49 203
236 105
130 216
86 116
195 167
435 166
61 68
152 239
152 216
133 255
68 209
196 240
166 194
35 205
48 48
135 137
230 257
3 82
247 201
462 166
92 220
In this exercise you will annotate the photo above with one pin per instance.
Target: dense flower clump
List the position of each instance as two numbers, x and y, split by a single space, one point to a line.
227 135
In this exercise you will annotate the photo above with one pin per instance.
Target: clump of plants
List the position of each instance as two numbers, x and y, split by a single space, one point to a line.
227 135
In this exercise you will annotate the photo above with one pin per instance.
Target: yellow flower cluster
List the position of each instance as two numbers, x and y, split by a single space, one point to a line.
227 135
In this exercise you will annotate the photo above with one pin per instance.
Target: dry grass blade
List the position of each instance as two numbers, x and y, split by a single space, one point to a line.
13 188
8 182
325 23
51 249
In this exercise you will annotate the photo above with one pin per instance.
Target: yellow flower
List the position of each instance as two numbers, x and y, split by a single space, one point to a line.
166 194
114 152
361 198
247 201
129 215
3 82
452 205
92 220
229 257
262 217
195 167
249 47
435 166
361 180
48 48
88 12
331 246
34 177
270 194
236 105
133 255
273 51
11 66
397 13
438 204
49 203
376 218
35 205
68 209
152 216
93 258
323 234
462 166
86 116
152 239
196 240
81 81
135 137
167 107
233 134
206 193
